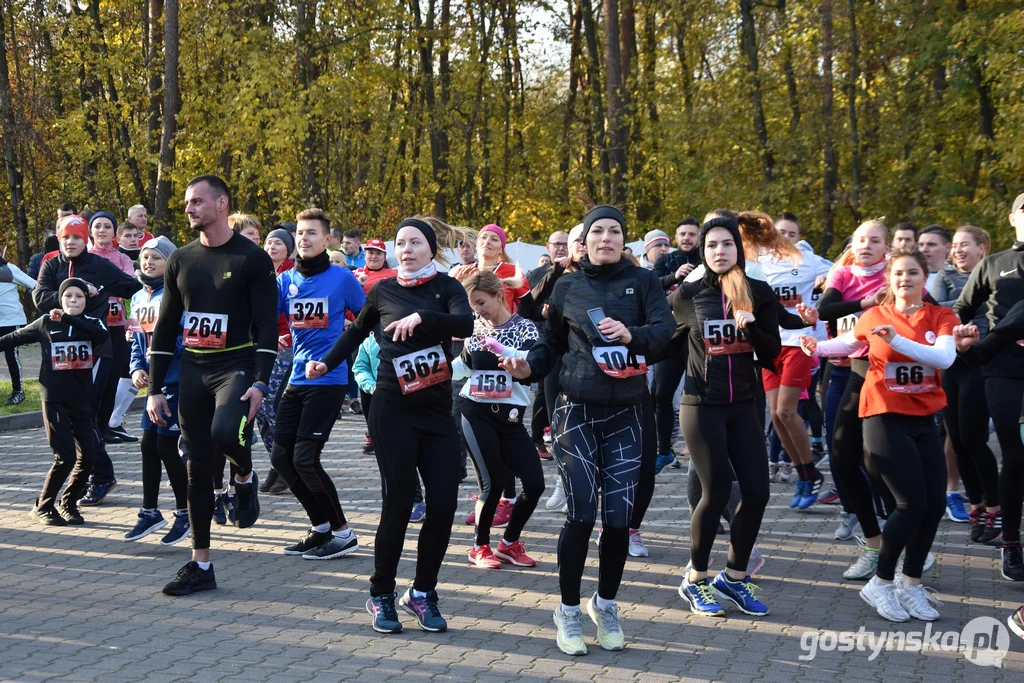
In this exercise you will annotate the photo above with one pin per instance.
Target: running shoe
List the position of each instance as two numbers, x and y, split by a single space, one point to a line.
48 516
848 526
514 553
929 563
977 524
569 625
502 514
368 447
428 616
71 514
547 435
1016 621
819 454
335 547
830 498
557 498
271 479
419 512
773 472
663 461
190 579
312 540
383 613
246 509
918 601
355 406
811 491
1013 562
230 506
483 558
609 630
147 524
741 593
955 508
95 493
701 596
757 561
993 532
15 398
180 530
636 544
865 565
109 437
278 487
123 434
882 596
787 473
542 451
801 491
220 516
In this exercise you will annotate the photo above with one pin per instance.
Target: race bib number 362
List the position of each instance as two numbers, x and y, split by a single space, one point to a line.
910 378
304 314
724 337
205 330
421 369
71 355
619 362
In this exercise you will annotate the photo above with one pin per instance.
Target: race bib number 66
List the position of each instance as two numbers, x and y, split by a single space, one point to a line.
205 330
421 369
910 378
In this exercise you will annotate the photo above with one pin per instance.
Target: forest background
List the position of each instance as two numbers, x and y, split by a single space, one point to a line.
509 111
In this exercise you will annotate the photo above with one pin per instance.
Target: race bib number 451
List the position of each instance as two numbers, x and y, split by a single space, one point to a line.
788 296
71 355
619 362
421 369
305 314
205 330
910 378
724 337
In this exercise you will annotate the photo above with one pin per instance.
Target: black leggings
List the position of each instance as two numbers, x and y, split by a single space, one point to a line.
160 451
102 471
1004 396
966 417
365 401
648 461
599 454
213 419
724 441
13 360
668 373
119 360
907 453
410 435
848 456
497 443
809 408
69 431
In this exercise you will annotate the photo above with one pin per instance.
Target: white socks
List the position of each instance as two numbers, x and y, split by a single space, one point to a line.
126 391
322 528
602 603
343 534
205 566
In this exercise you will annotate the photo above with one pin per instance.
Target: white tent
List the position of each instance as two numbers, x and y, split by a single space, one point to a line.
523 253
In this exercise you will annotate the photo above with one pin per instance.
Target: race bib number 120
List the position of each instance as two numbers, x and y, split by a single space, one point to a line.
205 330
421 369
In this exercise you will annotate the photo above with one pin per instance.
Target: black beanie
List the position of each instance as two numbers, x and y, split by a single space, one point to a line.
73 282
599 212
423 227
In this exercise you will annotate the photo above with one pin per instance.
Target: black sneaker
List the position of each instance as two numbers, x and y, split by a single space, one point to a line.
191 579
220 516
992 531
818 454
95 493
335 547
313 539
977 524
180 530
271 479
123 434
48 516
1013 562
69 511
246 509
110 437
229 505
356 407
15 398
280 486
368 447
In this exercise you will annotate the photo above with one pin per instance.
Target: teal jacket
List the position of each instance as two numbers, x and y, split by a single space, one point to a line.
365 367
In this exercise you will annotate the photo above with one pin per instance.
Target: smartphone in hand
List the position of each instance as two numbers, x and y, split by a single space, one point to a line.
596 316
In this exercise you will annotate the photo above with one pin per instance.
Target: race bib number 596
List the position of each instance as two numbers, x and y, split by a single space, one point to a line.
205 330
724 337
421 369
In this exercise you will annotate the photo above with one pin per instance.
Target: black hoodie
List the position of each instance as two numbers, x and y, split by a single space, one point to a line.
625 293
713 375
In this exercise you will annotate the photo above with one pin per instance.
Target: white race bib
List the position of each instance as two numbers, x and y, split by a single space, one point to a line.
619 362
71 355
205 330
305 314
421 369
490 384
724 337
910 378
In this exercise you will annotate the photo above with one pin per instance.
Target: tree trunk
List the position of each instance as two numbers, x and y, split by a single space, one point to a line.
154 66
830 179
851 97
305 68
596 95
748 43
437 130
790 71
617 103
685 69
172 105
575 25
12 162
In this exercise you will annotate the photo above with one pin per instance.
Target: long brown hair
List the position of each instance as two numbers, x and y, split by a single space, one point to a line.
915 253
758 230
734 281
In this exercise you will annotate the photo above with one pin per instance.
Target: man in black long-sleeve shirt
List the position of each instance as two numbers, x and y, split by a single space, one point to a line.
226 289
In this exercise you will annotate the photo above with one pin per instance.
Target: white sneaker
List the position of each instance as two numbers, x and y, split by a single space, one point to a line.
773 472
882 596
929 562
557 498
786 475
917 601
636 544
848 526
864 566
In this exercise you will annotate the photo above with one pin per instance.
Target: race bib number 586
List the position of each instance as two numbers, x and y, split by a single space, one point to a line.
71 355
205 330
421 369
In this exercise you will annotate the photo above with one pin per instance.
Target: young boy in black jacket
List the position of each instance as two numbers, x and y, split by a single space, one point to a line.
65 377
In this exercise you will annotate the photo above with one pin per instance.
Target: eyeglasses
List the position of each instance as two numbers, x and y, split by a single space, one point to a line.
558 244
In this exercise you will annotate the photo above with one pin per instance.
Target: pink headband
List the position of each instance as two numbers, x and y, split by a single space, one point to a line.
496 229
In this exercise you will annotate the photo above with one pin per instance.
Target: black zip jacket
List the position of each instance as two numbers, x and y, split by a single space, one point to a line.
626 293
666 266
61 386
107 278
444 308
999 281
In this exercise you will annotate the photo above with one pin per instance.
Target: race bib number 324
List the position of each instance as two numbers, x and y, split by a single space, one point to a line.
307 314
205 330
421 369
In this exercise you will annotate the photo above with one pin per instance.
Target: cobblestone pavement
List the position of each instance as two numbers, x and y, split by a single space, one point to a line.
80 604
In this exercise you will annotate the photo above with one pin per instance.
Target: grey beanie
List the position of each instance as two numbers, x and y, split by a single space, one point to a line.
160 244
286 237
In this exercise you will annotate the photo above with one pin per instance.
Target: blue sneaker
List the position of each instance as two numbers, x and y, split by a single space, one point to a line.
425 610
149 521
419 512
811 491
794 502
220 516
179 531
955 508
741 593
95 493
664 461
701 597
385 617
